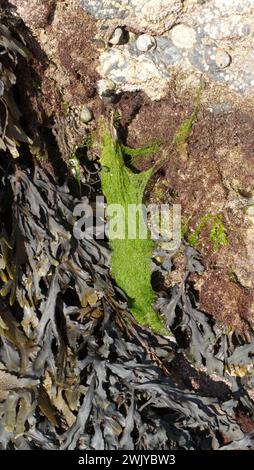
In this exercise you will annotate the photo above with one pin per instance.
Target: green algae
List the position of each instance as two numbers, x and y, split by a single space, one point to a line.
131 258
142 151
217 233
184 130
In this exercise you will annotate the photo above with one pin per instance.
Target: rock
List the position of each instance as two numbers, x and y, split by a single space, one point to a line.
86 114
194 42
222 59
183 36
153 16
145 43
170 54
117 37
131 72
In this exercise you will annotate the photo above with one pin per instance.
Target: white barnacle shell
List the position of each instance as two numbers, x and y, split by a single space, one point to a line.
183 36
145 42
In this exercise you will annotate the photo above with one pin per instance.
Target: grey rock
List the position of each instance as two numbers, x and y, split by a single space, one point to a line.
110 97
198 40
221 108
103 9
105 86
130 72
198 57
168 52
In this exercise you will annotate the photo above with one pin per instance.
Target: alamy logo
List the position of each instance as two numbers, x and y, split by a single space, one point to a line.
160 222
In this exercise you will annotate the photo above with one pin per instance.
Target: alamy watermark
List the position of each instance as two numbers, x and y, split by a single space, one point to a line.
161 222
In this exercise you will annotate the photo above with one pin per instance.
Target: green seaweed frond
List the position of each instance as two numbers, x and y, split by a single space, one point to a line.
184 230
193 238
131 258
143 151
184 130
116 118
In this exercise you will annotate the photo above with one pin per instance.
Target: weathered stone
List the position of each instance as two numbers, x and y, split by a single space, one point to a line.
86 114
107 90
167 52
105 86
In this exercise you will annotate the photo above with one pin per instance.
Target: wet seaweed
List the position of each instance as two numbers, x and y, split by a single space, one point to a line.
92 377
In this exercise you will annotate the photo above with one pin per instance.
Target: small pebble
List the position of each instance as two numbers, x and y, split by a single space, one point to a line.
145 42
183 36
222 59
86 114
117 37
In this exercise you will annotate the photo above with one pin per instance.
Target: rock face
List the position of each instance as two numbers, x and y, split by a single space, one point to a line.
154 16
213 38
